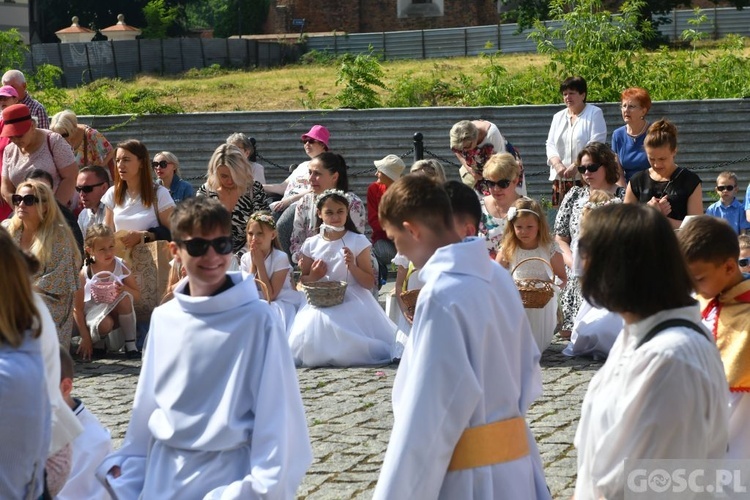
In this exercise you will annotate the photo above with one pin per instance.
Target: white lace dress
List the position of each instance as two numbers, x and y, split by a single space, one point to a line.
355 332
542 320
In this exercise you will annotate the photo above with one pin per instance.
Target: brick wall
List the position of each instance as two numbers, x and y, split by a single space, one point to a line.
363 16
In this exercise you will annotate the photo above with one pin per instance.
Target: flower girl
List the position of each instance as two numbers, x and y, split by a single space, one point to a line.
357 331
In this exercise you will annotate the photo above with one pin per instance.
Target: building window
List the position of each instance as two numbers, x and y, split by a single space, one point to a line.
419 8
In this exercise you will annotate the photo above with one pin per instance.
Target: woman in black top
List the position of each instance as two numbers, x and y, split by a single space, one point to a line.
673 190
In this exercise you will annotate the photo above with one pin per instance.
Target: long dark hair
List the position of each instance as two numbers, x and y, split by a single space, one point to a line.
349 224
335 164
655 278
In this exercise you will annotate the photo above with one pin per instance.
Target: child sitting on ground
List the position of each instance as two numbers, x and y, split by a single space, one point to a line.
89 448
711 250
217 411
469 333
265 260
729 207
357 331
530 253
99 311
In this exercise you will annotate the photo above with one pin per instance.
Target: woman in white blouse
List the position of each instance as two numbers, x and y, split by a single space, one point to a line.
662 393
133 201
571 130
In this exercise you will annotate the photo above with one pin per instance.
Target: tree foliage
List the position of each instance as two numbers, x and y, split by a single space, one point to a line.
12 50
159 18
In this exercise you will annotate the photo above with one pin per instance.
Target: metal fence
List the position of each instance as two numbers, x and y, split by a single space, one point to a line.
472 41
712 136
85 62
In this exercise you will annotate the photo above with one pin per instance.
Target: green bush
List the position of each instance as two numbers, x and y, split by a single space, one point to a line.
12 50
359 75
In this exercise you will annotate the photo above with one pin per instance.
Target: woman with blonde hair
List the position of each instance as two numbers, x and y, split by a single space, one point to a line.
133 202
39 228
231 182
246 145
24 405
167 169
431 168
501 176
90 147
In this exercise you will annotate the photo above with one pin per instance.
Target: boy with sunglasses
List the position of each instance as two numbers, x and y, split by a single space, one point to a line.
217 411
712 251
729 207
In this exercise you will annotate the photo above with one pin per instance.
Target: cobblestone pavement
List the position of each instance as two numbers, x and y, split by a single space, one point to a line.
349 418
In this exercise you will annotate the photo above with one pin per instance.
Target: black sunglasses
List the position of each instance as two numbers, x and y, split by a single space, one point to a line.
744 261
197 247
724 188
308 141
159 164
27 200
502 183
88 189
591 168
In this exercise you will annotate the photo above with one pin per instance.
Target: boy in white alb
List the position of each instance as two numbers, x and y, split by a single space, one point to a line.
89 448
217 411
470 368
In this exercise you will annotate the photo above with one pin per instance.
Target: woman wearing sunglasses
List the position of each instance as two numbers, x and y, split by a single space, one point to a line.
134 200
501 174
675 191
167 169
294 187
599 170
32 148
39 228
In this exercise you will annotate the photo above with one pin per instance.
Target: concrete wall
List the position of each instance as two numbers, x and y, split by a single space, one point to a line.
710 134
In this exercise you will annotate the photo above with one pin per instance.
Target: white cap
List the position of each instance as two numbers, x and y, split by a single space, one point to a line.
391 165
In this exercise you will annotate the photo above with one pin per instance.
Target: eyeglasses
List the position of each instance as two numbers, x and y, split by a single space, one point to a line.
744 262
502 183
88 189
159 164
197 247
309 141
27 200
591 168
724 188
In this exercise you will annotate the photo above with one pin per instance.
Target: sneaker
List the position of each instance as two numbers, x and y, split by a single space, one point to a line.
133 354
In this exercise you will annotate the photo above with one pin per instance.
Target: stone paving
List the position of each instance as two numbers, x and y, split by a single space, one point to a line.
349 418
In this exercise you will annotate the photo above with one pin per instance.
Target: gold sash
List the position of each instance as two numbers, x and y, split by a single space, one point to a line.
489 444
732 333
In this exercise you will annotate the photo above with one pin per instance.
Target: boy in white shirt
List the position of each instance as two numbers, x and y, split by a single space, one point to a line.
89 448
217 411
470 368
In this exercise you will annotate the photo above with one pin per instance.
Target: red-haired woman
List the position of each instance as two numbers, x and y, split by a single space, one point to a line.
627 141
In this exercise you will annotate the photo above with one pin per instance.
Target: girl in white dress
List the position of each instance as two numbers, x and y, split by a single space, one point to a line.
95 314
527 236
357 331
265 260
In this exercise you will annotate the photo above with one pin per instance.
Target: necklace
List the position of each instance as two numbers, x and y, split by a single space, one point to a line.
636 136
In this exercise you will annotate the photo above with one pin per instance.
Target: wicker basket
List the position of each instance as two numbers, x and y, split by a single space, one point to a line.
535 293
410 300
262 288
104 287
324 293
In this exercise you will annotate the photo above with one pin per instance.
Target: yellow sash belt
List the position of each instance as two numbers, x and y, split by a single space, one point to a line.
490 444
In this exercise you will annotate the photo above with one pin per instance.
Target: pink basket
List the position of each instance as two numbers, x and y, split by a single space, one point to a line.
104 287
